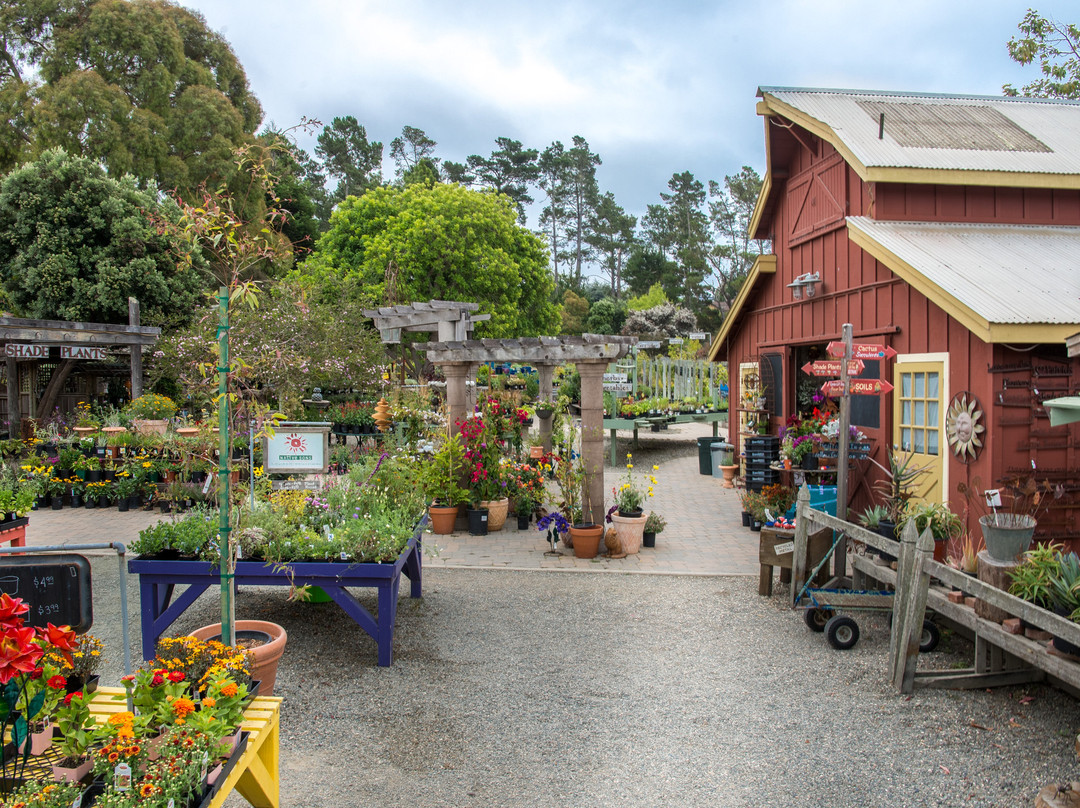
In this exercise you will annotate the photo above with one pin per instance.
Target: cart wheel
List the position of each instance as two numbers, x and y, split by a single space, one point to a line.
816 618
842 632
931 636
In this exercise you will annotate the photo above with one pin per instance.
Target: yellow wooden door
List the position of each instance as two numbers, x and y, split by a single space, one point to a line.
918 415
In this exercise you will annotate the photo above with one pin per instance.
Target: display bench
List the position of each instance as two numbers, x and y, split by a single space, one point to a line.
158 579
14 531
255 775
612 425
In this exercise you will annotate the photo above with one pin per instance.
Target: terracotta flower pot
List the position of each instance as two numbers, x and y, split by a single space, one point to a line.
497 510
630 530
442 519
72 774
585 539
148 426
267 655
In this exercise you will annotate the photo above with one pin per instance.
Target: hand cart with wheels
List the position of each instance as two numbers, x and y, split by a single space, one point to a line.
842 631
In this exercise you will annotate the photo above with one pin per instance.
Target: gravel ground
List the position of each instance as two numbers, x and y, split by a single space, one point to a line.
542 689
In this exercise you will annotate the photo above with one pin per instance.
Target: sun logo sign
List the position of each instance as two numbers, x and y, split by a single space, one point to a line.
296 443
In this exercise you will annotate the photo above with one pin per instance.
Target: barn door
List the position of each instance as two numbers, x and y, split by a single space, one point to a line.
918 415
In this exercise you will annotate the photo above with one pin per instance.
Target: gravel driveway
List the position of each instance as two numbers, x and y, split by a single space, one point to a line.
547 689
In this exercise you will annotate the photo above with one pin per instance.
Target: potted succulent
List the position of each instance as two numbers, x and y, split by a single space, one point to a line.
945 526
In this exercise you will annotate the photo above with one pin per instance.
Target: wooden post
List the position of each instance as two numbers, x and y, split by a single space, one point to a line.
840 557
802 539
136 351
457 407
592 438
909 607
13 403
546 372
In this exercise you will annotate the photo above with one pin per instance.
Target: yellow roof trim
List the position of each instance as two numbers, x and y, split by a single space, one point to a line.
765 264
770 105
1032 333
978 326
762 200
816 127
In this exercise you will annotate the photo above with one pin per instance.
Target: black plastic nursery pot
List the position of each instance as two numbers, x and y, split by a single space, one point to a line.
478 521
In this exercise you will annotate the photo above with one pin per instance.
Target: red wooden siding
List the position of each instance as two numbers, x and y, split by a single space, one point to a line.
948 203
809 236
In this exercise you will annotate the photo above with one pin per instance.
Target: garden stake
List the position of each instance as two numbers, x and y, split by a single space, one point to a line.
226 562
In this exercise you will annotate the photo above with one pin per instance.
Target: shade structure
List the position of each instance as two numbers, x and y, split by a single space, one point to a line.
1063 410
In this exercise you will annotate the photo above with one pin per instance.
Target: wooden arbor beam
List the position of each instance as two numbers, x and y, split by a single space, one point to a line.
591 353
17 329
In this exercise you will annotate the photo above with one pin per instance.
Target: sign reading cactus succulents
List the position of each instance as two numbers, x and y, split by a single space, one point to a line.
297 448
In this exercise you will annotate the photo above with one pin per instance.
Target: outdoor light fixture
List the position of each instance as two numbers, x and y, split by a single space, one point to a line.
810 281
796 287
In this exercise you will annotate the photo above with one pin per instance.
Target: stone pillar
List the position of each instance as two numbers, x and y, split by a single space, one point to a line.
472 394
136 352
592 437
546 373
456 400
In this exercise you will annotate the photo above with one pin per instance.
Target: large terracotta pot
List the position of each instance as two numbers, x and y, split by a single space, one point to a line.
497 510
148 426
442 519
267 656
585 539
630 530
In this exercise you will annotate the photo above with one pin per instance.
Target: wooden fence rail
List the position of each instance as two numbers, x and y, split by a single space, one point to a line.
920 581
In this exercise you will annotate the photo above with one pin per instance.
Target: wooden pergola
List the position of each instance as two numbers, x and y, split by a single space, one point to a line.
72 338
591 353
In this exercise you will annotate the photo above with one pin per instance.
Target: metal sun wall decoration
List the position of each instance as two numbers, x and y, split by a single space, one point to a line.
963 427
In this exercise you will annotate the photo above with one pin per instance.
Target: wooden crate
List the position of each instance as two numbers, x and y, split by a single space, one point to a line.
773 540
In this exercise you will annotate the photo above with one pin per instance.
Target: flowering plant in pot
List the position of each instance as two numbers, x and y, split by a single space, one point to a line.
483 465
629 521
654 523
77 732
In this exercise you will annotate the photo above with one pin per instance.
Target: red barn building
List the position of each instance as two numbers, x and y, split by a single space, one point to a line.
948 228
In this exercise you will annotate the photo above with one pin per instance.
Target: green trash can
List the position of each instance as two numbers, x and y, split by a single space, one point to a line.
704 455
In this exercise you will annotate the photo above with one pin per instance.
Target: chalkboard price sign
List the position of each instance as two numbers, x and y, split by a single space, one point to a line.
55 587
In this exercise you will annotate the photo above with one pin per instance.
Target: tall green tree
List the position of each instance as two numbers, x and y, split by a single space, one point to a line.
141 86
582 192
733 251
611 235
511 169
75 244
648 267
1056 46
349 157
688 230
415 243
552 180
410 148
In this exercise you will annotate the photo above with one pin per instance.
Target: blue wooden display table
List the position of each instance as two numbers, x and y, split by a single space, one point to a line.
158 578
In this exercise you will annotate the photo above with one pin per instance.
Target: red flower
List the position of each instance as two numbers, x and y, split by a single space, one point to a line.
18 653
57 682
10 609
62 638
176 676
157 680
37 673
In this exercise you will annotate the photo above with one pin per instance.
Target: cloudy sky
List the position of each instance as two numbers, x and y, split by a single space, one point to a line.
655 87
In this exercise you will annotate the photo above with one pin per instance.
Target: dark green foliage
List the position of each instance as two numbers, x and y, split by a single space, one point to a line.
143 86
75 244
606 317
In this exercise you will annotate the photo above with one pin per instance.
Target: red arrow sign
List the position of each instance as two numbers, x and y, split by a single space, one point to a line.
858 387
828 367
861 351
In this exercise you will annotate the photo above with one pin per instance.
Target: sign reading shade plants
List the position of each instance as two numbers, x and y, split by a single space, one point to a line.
297 448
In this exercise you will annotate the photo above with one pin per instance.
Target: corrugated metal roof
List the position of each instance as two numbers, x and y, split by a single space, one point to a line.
1033 135
1008 274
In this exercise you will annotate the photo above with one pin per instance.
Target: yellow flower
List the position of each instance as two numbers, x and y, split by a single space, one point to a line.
656 468
628 455
258 471
629 465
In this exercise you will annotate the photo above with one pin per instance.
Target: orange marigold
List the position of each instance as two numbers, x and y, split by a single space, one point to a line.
209 701
122 719
230 690
183 706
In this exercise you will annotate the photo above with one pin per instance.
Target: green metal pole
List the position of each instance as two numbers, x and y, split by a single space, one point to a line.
228 612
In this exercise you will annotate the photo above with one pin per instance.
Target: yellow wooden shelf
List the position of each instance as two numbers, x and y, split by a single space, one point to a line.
255 775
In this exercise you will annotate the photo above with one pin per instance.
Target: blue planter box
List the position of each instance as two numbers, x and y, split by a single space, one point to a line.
157 580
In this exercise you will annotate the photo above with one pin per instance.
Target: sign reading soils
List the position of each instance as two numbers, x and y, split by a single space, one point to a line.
297 448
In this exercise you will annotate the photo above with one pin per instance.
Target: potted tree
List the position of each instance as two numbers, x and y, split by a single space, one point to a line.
440 478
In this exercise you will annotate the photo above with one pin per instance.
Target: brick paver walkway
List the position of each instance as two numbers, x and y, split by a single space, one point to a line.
704 534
